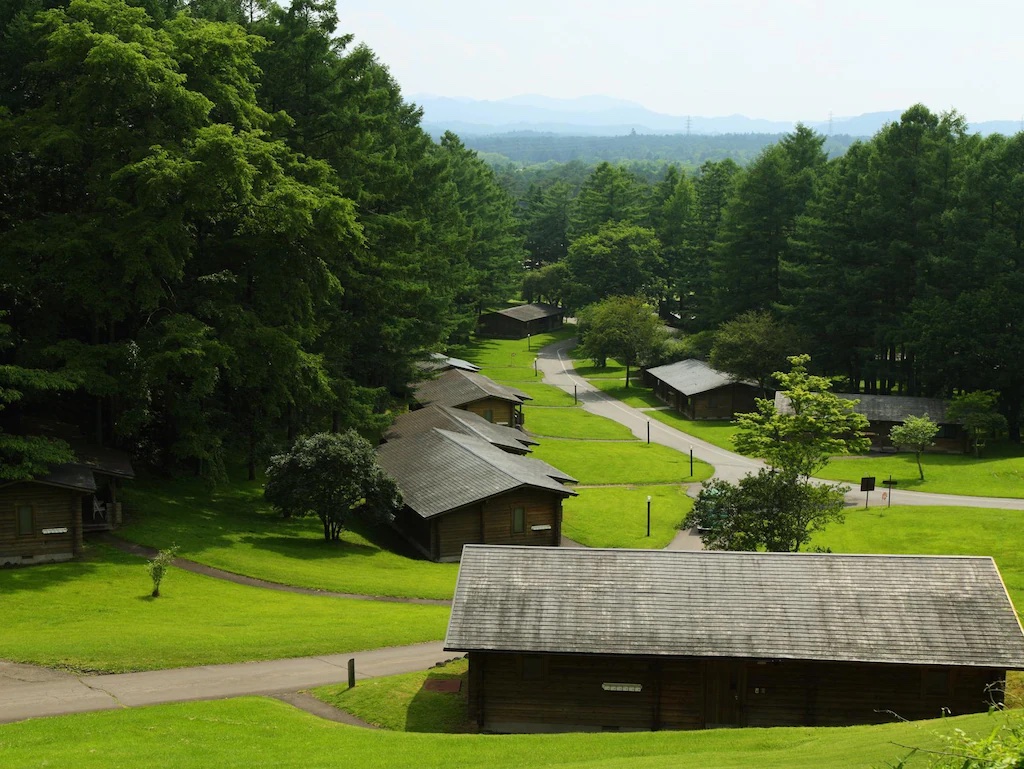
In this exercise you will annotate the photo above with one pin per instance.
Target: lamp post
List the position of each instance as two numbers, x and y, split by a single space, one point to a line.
648 515
528 342
691 461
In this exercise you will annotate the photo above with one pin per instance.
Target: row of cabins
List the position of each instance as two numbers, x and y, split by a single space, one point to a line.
698 391
44 519
460 459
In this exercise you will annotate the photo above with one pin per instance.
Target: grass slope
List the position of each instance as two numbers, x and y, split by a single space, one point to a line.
96 615
936 531
256 732
509 360
718 432
620 463
999 473
544 395
232 528
402 703
614 516
573 422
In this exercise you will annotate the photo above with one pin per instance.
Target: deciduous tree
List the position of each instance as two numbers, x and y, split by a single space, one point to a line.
917 434
623 327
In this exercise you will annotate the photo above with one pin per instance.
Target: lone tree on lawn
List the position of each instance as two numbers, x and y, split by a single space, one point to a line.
976 411
622 327
334 476
916 433
814 424
774 511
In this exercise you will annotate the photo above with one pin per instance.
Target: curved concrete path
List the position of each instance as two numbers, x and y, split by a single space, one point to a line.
558 370
27 691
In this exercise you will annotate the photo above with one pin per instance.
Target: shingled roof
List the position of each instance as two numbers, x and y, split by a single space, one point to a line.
439 471
459 421
692 376
528 312
440 362
927 610
458 388
887 408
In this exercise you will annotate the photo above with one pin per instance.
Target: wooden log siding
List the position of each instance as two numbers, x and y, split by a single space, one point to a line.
723 402
496 411
52 508
490 523
542 693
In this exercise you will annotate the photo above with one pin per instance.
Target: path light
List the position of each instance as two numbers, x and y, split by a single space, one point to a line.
691 460
648 515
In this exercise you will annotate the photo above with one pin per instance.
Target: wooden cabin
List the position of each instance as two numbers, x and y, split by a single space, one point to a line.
520 322
609 640
698 391
886 411
41 519
458 421
459 489
473 392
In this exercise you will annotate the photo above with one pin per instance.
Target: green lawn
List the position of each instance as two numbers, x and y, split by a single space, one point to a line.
403 704
96 614
573 422
935 531
715 431
618 463
999 473
636 396
256 732
615 516
544 395
232 528
509 360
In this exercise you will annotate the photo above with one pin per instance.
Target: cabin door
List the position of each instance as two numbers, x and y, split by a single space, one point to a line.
725 684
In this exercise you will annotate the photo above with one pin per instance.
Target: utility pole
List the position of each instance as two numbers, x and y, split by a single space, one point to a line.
687 125
830 122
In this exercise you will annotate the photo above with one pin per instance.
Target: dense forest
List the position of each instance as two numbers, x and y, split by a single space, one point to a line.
900 264
528 148
221 226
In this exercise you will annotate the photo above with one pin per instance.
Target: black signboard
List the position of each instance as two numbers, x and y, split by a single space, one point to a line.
867 484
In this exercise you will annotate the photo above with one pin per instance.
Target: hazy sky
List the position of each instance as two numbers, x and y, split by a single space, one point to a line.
776 59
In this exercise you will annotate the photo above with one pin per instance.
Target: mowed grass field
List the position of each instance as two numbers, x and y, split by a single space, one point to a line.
232 528
616 516
96 615
259 732
999 472
613 462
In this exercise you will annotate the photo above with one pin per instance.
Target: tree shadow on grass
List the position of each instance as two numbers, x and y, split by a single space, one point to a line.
306 548
37 577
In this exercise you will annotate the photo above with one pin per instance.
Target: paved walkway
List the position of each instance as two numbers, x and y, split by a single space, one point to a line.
558 370
27 691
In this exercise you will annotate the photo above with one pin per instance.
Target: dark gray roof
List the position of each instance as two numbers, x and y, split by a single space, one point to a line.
929 610
458 388
884 408
441 362
66 476
528 312
439 471
693 376
104 460
459 421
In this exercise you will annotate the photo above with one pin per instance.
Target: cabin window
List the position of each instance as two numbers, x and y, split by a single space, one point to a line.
518 520
25 522
534 667
489 415
934 683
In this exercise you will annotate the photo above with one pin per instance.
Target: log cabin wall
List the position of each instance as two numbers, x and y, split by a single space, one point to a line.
52 509
549 693
723 402
493 521
496 411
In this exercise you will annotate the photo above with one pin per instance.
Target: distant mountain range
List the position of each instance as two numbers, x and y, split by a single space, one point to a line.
605 116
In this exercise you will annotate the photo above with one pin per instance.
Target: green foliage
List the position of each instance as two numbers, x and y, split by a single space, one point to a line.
617 260
334 477
158 565
754 345
813 425
1001 748
916 433
623 327
610 195
773 511
977 412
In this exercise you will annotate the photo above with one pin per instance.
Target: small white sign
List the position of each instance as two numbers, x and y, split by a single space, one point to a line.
619 687
59 530
541 527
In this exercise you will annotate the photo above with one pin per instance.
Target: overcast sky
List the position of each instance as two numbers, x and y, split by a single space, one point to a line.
776 59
